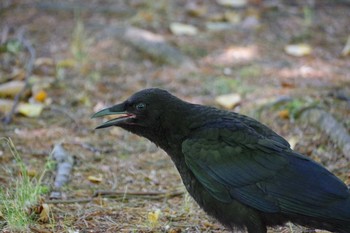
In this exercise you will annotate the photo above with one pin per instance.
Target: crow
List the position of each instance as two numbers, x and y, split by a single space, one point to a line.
236 168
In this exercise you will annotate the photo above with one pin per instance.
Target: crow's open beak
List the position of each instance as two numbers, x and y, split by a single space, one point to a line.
118 109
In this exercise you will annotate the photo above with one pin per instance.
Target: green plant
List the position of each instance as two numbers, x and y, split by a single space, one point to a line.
17 199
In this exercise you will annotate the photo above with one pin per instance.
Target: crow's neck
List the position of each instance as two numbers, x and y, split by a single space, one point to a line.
177 124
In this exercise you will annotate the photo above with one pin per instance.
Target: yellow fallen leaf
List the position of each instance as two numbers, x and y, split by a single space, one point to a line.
40 96
95 179
153 217
228 101
66 63
298 50
30 110
11 88
284 114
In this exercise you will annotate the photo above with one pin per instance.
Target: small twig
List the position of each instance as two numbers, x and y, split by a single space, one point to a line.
121 195
133 194
29 70
69 201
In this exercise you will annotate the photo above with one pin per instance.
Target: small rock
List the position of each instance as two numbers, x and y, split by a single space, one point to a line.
180 29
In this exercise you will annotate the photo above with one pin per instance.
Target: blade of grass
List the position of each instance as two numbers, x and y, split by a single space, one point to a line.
17 199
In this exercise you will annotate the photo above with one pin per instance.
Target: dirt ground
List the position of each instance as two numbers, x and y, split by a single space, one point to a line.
81 70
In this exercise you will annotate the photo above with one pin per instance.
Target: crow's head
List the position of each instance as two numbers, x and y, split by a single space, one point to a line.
142 110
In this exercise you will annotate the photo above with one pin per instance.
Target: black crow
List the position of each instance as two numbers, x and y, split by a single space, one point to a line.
237 169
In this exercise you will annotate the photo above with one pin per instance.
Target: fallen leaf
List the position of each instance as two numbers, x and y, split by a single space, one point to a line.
232 3
66 63
40 96
284 114
18 74
45 213
228 101
183 29
153 217
11 88
5 105
174 230
286 84
30 110
298 50
95 179
44 61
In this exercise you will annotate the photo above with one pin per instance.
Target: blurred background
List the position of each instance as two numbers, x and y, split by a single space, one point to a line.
285 63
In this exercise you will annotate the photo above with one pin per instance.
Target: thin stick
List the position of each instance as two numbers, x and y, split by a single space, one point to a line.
121 195
29 70
116 193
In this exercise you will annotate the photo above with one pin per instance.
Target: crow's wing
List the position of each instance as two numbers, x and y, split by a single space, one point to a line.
238 163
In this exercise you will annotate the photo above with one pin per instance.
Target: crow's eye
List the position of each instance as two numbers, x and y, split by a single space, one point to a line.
140 106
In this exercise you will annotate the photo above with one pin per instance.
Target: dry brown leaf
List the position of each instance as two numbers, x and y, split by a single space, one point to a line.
174 230
286 84
45 213
11 88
